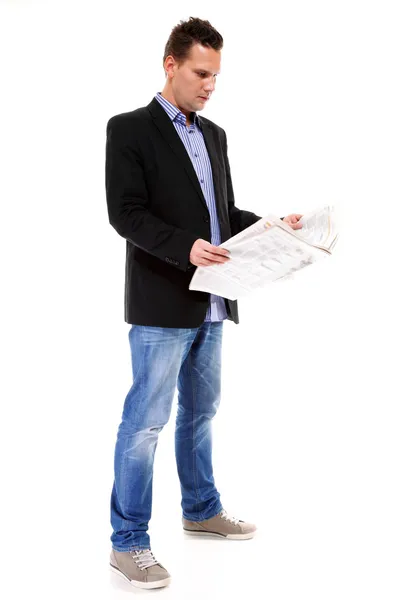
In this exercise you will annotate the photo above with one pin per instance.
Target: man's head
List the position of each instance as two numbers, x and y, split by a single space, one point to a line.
192 61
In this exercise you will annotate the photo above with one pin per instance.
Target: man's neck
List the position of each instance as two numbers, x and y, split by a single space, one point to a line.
171 99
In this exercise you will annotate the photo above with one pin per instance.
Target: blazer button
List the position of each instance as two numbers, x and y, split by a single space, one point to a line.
206 219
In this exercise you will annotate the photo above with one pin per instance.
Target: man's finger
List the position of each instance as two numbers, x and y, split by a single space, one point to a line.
205 262
220 258
217 250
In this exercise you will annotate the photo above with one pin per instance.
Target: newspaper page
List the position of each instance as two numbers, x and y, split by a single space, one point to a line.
320 228
266 251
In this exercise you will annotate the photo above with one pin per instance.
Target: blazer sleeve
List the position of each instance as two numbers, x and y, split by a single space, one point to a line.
128 202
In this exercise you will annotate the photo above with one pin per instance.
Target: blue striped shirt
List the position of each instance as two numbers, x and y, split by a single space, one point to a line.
193 140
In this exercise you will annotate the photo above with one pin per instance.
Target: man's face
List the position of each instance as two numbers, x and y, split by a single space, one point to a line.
194 80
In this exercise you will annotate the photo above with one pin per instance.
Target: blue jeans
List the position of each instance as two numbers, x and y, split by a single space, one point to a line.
164 358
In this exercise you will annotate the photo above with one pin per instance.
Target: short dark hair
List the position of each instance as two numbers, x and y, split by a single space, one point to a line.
190 32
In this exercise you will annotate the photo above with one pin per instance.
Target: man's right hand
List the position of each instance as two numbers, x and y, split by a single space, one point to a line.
204 254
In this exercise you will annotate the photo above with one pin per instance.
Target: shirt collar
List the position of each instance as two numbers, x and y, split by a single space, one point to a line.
174 113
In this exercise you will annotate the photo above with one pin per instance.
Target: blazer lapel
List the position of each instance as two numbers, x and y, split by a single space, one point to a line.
209 134
167 130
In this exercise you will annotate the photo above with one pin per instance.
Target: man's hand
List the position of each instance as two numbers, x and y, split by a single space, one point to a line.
204 254
293 221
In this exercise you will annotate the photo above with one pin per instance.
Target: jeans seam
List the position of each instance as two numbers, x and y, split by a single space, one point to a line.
193 435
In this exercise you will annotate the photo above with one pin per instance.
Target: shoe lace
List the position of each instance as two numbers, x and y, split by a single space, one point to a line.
144 558
227 517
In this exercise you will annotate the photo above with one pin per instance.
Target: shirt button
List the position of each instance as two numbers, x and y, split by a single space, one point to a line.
202 180
196 154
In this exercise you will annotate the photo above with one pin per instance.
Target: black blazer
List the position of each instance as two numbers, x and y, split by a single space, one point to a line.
155 202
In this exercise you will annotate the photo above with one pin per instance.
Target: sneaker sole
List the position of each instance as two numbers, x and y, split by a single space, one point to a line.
230 536
141 584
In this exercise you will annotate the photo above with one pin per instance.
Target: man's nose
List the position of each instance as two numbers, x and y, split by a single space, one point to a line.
209 87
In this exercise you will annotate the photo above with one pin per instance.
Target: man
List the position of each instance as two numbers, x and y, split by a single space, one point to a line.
169 194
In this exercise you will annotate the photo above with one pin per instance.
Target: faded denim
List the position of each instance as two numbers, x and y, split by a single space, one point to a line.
163 359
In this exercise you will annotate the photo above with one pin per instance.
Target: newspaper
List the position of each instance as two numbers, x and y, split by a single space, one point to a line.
267 251
320 228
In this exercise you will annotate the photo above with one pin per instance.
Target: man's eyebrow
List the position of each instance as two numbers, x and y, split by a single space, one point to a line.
205 71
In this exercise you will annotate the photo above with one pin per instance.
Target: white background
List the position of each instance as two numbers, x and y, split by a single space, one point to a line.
306 440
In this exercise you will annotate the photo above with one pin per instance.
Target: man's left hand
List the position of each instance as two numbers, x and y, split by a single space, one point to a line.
293 221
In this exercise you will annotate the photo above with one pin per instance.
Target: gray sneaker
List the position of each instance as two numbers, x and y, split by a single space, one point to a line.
140 568
222 525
